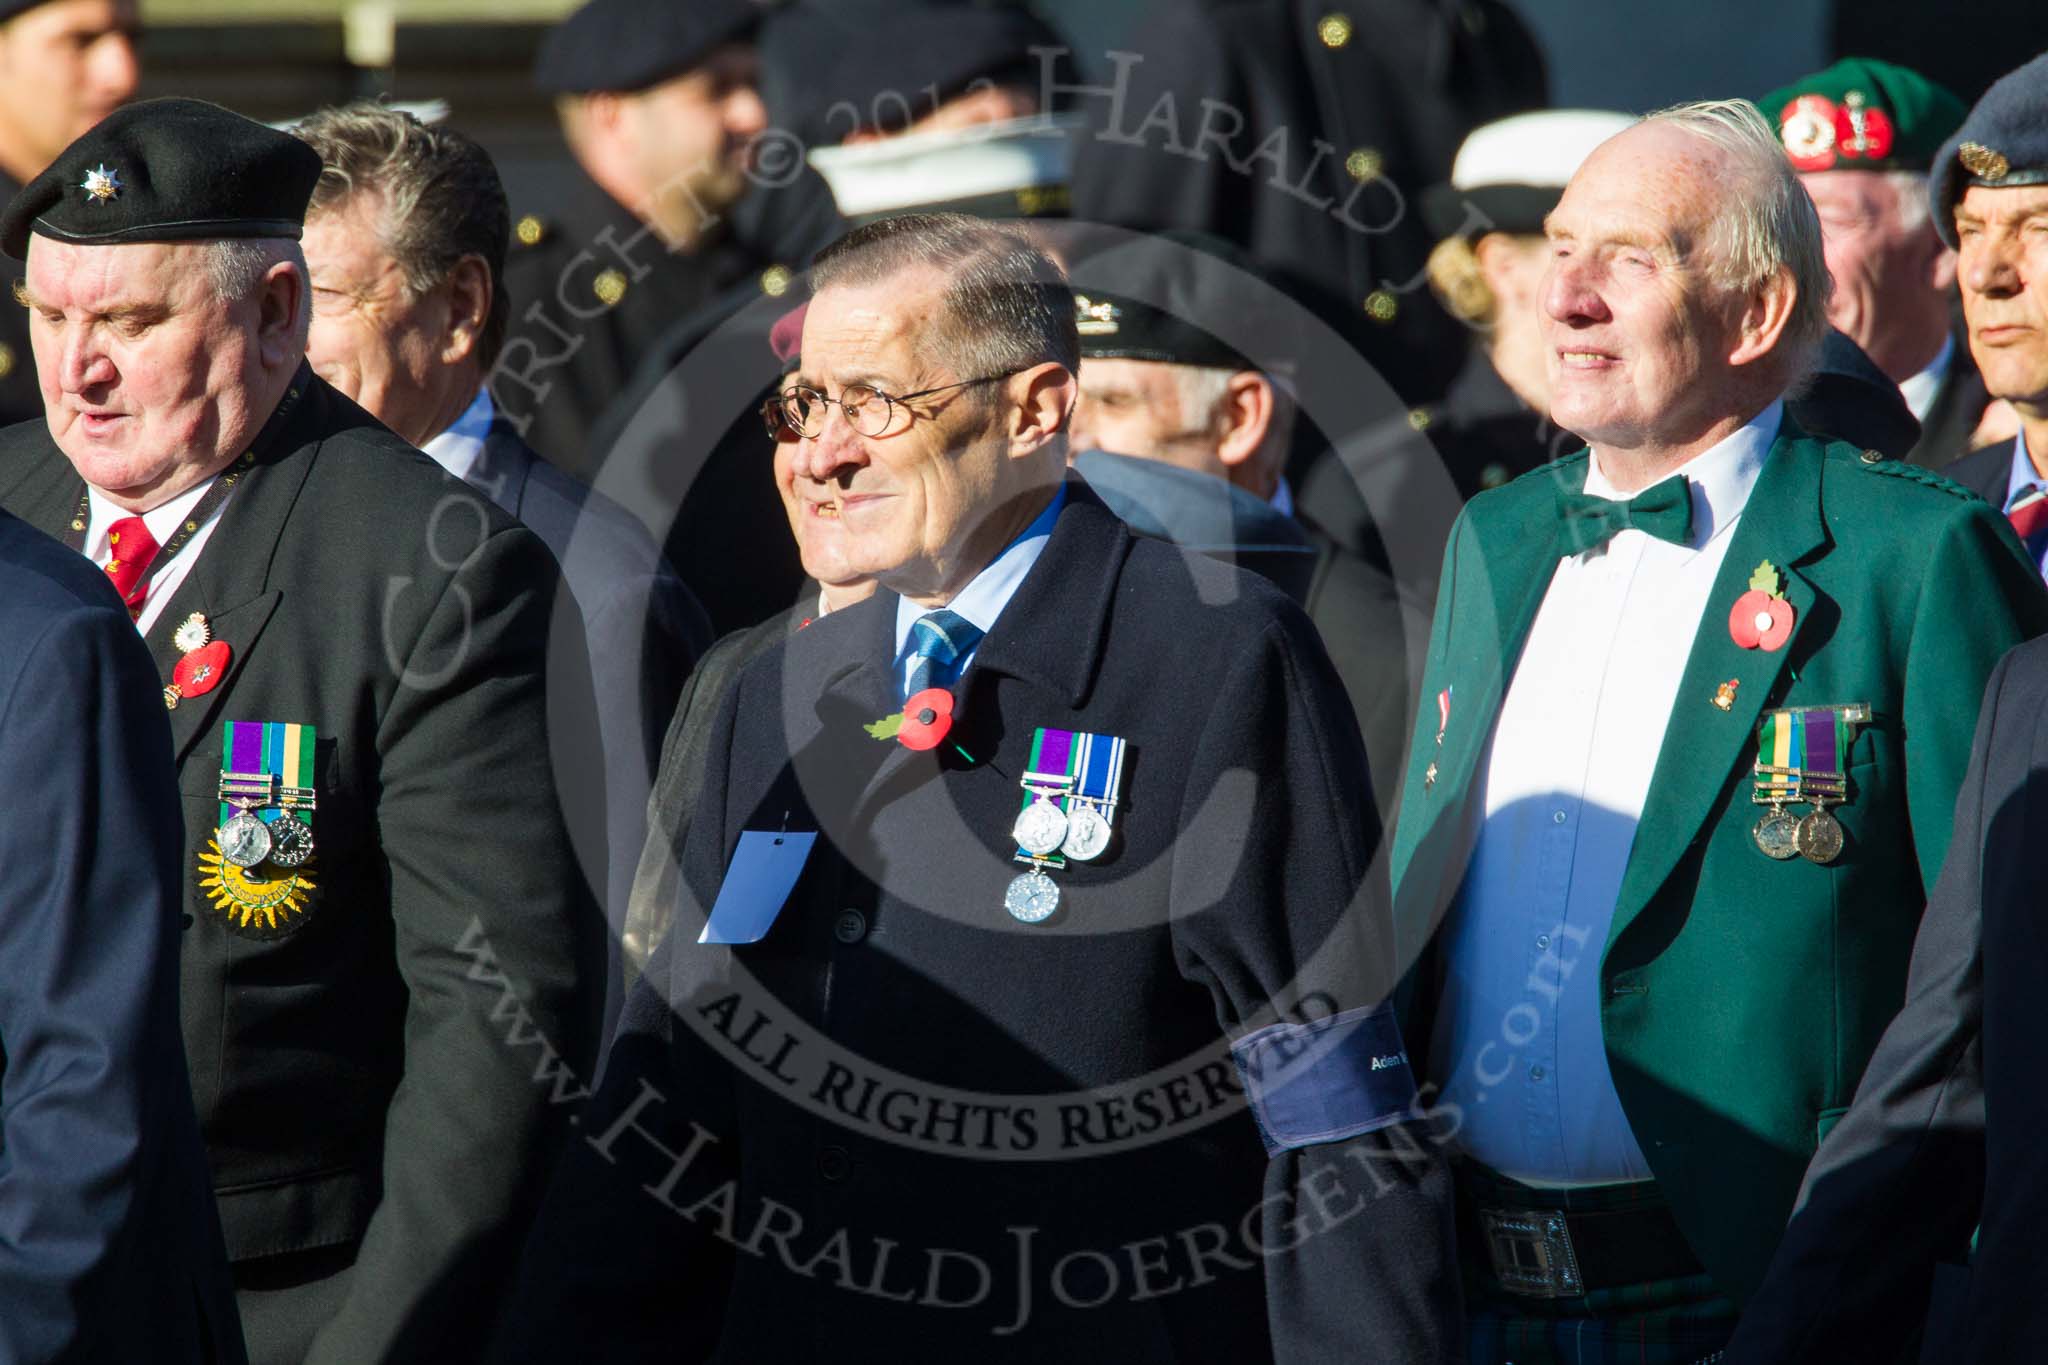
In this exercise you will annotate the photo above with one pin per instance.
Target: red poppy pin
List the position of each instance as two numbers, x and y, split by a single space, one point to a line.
198 672
922 723
1762 618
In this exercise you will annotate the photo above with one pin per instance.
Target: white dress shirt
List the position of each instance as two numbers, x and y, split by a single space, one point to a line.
163 523
457 448
984 598
1518 1043
1918 390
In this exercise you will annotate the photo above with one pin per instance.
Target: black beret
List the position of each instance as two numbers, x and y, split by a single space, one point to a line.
2003 143
168 170
624 45
1199 277
831 68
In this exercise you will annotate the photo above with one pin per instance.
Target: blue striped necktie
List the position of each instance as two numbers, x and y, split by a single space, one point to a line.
939 641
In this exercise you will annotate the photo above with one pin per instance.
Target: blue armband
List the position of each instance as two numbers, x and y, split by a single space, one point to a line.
1328 1080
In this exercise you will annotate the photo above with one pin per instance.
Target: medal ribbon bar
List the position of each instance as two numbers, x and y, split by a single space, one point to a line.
269 764
1070 766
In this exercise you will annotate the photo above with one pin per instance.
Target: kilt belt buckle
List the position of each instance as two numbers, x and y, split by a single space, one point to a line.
1532 1253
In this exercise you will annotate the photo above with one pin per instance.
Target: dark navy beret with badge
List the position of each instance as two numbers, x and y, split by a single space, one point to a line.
1199 279
1862 115
167 170
626 45
2003 144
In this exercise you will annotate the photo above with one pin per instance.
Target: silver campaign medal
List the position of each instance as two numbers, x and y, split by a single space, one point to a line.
1085 773
1032 897
1040 828
244 839
1087 833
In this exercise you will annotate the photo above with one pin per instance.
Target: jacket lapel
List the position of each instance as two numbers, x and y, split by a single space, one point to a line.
1505 578
229 583
1051 634
864 693
1705 747
501 467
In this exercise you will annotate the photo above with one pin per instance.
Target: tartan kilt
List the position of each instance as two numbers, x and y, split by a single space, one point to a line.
1682 1321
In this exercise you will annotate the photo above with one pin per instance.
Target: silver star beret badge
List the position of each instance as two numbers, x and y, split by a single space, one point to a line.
101 184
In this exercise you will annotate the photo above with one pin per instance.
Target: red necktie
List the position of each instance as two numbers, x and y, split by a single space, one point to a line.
2029 515
130 550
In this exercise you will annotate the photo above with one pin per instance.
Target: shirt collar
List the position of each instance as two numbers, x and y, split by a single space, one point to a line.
1719 478
1918 390
2022 477
457 448
162 521
983 599
1283 499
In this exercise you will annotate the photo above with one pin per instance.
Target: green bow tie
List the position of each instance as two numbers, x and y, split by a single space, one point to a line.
1663 510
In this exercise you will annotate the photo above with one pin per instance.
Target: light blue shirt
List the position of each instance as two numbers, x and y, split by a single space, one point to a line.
457 448
984 598
1564 780
2023 479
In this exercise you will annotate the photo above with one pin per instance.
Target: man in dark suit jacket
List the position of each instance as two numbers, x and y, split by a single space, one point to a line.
1945 1131
1036 1035
1882 1239
2004 285
109 1247
658 102
408 317
386 939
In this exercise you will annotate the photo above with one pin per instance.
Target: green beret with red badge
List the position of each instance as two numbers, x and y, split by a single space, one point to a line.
1863 115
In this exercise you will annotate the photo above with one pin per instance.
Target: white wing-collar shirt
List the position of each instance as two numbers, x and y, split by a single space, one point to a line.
1518 1044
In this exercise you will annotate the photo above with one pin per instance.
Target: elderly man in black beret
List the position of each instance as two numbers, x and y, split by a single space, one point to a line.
658 102
1187 438
64 66
1926 1201
386 935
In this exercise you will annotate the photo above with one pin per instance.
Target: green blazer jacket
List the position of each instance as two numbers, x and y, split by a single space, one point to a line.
1741 996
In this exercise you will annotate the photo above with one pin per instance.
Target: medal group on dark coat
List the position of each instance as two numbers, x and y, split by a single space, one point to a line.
1166 808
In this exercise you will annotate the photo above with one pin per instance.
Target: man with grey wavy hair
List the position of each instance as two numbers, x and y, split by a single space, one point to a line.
1639 650
406 238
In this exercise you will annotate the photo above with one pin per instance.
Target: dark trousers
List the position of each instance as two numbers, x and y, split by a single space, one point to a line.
285 1301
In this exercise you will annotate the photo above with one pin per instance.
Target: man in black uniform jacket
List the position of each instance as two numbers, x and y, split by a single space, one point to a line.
1003 1119
657 100
386 933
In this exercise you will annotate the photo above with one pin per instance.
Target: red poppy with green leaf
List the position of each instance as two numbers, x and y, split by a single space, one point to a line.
922 723
1762 618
